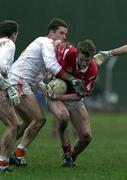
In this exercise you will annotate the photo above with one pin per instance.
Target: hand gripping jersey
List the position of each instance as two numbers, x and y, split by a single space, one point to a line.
67 59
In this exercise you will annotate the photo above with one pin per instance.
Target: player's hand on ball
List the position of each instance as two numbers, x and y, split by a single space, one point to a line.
77 84
50 93
102 56
47 91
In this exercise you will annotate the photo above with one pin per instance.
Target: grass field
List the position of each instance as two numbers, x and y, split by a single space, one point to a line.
104 159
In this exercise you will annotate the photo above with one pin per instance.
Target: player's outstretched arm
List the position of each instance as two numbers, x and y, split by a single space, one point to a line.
102 56
120 51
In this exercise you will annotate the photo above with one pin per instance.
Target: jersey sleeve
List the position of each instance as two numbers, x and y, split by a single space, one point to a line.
7 51
50 60
65 54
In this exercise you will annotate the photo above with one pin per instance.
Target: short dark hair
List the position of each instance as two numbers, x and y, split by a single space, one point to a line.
7 27
55 23
87 47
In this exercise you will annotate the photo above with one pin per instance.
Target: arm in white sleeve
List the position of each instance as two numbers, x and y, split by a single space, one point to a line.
49 57
41 85
4 83
7 51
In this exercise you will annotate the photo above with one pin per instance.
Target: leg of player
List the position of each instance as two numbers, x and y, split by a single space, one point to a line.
61 113
54 128
79 118
25 122
10 120
31 110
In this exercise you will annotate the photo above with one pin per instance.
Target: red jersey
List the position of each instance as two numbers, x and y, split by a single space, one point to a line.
67 59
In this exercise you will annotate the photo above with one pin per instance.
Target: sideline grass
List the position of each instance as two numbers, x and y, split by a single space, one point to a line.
104 159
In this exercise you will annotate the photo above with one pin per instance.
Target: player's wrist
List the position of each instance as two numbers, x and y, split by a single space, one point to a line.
70 79
110 53
73 80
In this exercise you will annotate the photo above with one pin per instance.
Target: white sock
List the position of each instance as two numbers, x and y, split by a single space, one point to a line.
3 158
21 146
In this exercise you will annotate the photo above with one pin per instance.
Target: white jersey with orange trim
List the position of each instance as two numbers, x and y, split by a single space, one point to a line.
7 51
38 58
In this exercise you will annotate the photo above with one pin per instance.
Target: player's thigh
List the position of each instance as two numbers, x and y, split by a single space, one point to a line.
79 118
8 115
58 109
30 107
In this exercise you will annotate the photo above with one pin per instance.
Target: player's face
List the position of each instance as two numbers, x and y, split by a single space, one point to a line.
60 34
83 61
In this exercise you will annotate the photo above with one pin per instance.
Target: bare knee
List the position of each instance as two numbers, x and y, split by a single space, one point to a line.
62 114
63 118
62 124
40 122
13 129
85 138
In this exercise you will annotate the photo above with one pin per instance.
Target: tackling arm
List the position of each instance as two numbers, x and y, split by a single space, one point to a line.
120 51
104 55
67 97
54 67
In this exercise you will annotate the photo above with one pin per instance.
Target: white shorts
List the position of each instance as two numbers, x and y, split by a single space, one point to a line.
71 105
21 85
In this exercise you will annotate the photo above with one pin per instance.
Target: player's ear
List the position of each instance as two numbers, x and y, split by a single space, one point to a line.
14 36
56 43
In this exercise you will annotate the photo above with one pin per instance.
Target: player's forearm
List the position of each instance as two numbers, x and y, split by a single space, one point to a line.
69 97
120 51
59 72
63 74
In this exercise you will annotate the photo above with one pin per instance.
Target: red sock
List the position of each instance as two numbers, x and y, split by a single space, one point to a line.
66 148
20 152
4 164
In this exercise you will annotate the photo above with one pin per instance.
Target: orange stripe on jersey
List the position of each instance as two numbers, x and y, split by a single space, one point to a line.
60 73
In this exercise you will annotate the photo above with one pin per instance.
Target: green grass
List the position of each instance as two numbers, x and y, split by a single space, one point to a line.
104 159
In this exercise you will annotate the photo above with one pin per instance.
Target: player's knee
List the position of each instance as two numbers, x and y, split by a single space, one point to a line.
63 117
14 130
63 124
40 122
85 138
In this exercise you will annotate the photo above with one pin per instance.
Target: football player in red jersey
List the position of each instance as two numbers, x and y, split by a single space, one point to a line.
80 63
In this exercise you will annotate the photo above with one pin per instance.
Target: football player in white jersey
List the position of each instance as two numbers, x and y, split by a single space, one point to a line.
29 71
8 95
